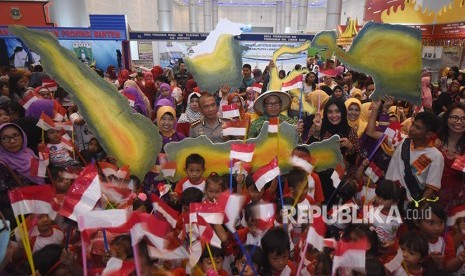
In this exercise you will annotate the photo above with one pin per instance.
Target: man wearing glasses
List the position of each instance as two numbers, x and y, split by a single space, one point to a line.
270 104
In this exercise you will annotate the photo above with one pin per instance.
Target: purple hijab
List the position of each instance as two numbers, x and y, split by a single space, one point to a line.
139 104
20 161
39 106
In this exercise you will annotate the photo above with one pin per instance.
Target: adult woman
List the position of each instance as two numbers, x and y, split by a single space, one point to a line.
451 143
310 82
15 164
191 115
110 74
236 99
354 108
145 100
335 122
139 105
17 86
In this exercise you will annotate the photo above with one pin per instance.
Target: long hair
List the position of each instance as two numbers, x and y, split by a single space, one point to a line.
443 133
343 128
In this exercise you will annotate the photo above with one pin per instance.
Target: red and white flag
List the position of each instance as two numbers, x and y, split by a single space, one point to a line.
123 172
394 133
39 166
302 163
83 194
206 232
350 255
211 212
168 169
295 83
337 175
273 125
98 219
50 84
264 213
459 163
232 206
108 169
146 225
68 125
243 152
316 233
163 189
28 99
71 172
131 98
118 267
60 112
373 172
178 253
45 122
455 213
235 128
240 167
35 199
266 173
230 111
395 262
170 215
66 142
257 87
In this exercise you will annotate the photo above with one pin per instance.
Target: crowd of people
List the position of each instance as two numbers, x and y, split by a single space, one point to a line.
396 155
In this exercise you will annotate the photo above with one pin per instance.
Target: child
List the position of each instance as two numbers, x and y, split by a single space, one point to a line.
44 233
414 251
205 265
240 261
276 246
214 186
441 248
121 247
94 151
190 195
251 234
59 155
60 179
53 260
254 194
195 166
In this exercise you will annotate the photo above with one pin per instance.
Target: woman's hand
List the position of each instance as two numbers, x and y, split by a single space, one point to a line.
224 90
346 143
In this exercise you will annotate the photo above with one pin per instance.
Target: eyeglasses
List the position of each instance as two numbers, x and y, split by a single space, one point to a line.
456 118
15 137
270 104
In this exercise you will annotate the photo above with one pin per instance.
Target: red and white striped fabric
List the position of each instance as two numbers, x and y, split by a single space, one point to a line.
257 87
302 163
166 211
459 163
66 142
60 112
168 169
71 172
206 232
50 84
394 133
395 262
273 125
28 99
39 165
350 255
45 122
108 169
32 200
235 128
231 204
266 173
243 152
117 267
123 172
337 175
68 125
178 253
131 98
98 219
295 83
264 213
455 213
230 111
82 195
373 172
146 225
211 212
316 233
163 189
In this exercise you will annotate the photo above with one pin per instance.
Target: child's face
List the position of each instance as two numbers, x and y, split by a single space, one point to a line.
54 136
206 263
411 257
299 192
194 172
61 183
44 223
250 95
247 270
337 93
255 195
213 191
117 251
278 261
433 227
166 122
4 117
164 93
93 146
237 102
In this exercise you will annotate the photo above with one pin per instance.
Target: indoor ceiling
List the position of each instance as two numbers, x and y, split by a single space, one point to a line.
311 3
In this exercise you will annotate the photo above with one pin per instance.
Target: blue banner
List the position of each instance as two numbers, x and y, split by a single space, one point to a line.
202 36
74 33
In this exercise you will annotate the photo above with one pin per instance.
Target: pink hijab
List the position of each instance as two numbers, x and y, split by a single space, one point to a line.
426 97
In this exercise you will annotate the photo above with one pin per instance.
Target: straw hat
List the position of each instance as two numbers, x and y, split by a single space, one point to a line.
258 105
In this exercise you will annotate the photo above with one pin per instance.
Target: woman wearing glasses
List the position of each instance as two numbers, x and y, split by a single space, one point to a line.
451 143
15 165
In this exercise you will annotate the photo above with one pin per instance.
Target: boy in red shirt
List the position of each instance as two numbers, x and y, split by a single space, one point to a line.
195 167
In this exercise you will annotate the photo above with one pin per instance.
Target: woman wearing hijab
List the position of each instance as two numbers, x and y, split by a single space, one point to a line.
123 76
426 96
15 165
354 107
165 93
133 84
166 122
139 106
39 106
188 89
110 74
365 112
191 115
335 122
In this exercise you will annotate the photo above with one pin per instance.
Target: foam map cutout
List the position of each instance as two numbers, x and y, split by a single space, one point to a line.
131 138
391 54
267 145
